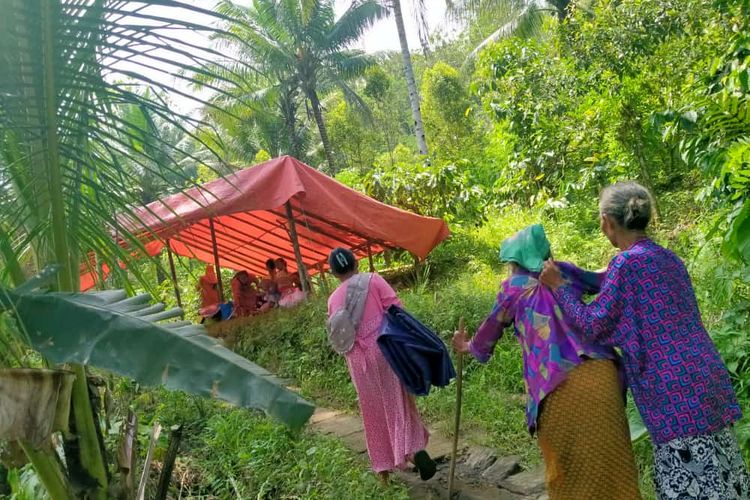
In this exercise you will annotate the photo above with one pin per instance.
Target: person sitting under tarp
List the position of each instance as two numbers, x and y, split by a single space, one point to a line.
244 294
211 306
288 285
268 287
208 286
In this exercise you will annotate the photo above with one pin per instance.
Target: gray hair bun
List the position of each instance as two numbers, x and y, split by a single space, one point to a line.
628 203
637 213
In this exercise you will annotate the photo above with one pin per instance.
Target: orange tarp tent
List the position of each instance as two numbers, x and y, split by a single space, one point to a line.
250 213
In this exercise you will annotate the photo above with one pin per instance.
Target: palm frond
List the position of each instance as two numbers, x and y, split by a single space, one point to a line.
72 75
526 22
354 22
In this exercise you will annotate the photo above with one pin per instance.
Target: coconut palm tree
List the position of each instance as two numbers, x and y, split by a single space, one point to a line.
257 111
67 70
301 41
411 84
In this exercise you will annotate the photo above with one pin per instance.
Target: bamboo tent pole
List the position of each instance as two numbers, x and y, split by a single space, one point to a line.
295 245
216 258
173 271
369 257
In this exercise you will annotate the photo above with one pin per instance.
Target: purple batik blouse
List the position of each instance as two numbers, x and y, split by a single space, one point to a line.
647 308
550 346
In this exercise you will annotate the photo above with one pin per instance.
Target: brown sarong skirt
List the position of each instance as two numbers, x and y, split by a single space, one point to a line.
584 436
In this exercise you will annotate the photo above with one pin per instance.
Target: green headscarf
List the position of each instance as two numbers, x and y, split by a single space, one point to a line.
528 248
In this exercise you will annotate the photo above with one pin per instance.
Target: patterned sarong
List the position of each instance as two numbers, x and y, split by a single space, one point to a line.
584 436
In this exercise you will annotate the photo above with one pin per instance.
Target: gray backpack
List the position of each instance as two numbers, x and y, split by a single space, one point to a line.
342 325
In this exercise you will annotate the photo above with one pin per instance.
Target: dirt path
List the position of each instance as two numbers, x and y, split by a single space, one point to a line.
481 474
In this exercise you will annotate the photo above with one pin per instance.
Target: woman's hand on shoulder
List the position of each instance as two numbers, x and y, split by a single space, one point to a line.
461 341
551 275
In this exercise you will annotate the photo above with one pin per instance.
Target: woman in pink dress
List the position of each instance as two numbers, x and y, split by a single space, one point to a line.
394 431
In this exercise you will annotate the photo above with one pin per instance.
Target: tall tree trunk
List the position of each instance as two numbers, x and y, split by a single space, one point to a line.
410 81
318 114
289 112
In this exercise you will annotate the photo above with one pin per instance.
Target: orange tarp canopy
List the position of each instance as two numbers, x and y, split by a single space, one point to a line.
248 209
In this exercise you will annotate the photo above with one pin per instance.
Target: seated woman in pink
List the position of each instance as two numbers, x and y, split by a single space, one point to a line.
288 285
394 431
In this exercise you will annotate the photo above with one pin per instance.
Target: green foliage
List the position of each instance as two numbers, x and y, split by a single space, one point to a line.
25 485
447 111
441 189
251 456
302 52
228 453
714 135
377 83
353 142
528 87
261 156
579 98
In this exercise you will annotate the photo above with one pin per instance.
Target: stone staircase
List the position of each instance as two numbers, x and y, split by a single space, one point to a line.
480 472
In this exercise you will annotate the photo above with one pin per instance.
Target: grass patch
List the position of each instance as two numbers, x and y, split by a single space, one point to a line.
235 453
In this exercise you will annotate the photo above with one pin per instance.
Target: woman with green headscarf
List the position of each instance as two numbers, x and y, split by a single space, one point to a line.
575 393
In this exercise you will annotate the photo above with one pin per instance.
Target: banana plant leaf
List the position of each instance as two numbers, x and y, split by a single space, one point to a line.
111 331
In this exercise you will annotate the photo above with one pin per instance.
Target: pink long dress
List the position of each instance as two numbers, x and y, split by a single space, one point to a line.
393 427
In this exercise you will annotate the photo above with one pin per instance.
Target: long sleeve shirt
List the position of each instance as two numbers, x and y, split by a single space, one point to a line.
647 308
550 346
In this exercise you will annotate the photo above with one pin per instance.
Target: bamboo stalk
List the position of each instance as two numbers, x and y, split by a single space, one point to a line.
216 259
457 423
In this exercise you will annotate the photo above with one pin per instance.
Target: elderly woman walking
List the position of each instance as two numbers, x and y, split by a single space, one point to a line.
575 395
647 309
394 432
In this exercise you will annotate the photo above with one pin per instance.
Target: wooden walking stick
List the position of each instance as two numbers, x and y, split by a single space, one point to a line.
459 387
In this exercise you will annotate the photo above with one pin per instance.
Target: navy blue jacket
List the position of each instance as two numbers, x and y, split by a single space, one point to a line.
416 354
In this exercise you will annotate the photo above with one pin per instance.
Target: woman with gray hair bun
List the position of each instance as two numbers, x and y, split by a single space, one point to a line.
647 308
